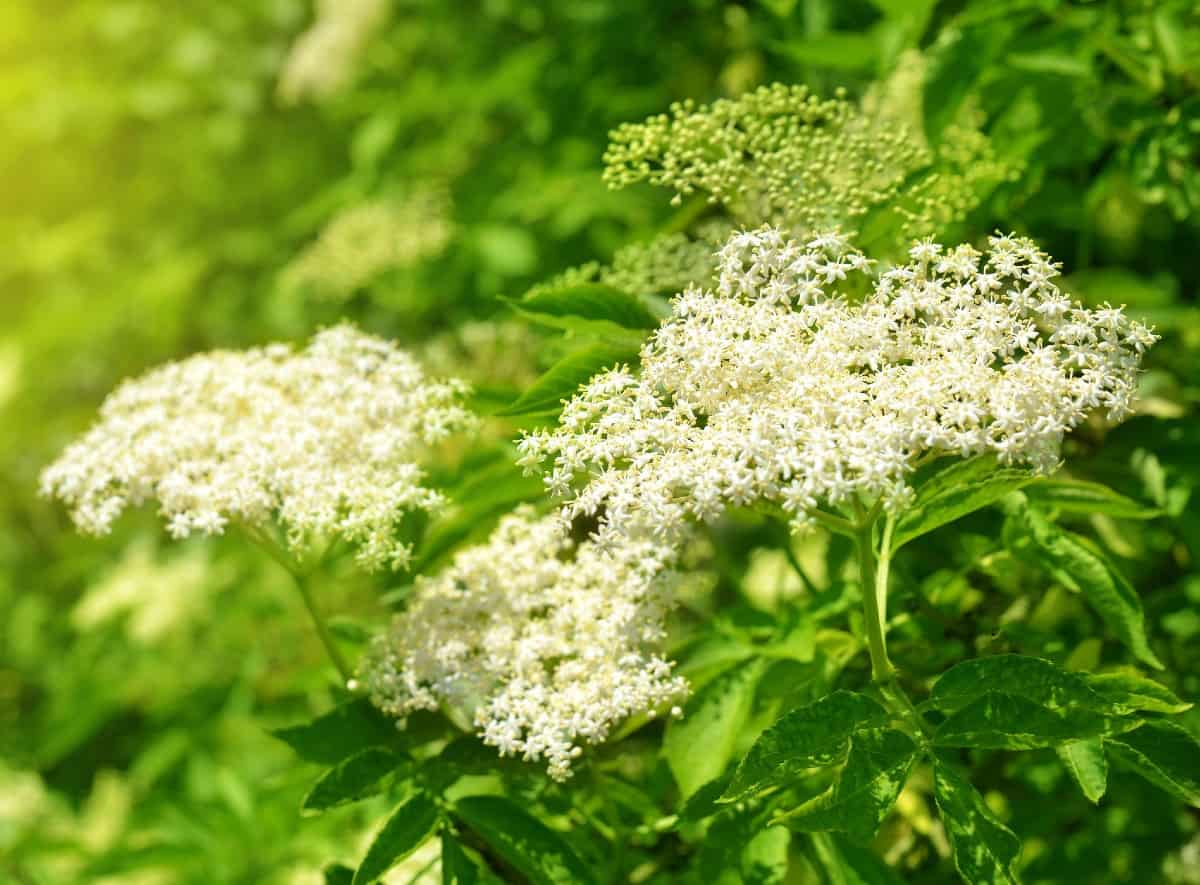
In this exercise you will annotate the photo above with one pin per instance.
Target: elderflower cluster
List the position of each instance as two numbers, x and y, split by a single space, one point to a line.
779 155
807 377
547 643
324 441
364 241
323 58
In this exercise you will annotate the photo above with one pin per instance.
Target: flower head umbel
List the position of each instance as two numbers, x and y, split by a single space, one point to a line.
546 643
807 377
324 441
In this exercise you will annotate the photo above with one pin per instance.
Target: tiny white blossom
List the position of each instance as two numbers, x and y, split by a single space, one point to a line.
782 385
324 441
546 643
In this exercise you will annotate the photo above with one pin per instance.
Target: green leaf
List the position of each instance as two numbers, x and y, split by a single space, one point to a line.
984 849
574 307
956 63
343 731
960 488
524 842
1079 496
1087 764
845 863
876 769
1034 679
352 779
765 857
1003 721
338 874
1129 691
812 736
1165 754
843 51
405 831
699 745
563 380
1076 563
457 868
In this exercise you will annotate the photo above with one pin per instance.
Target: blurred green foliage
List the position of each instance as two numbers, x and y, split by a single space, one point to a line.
161 178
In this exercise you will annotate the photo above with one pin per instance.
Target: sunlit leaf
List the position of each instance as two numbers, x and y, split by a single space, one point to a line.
985 850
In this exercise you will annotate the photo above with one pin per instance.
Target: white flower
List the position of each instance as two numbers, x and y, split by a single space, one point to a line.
546 643
323 59
783 385
324 441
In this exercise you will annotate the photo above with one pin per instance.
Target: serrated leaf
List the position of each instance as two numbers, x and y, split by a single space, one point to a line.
343 731
811 736
1080 496
405 831
1165 754
1086 762
524 842
1072 560
960 488
563 380
1001 721
876 769
701 744
587 302
352 779
984 849
1129 691
1035 679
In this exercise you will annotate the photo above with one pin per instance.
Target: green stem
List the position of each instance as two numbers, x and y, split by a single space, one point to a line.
873 573
874 605
300 578
335 655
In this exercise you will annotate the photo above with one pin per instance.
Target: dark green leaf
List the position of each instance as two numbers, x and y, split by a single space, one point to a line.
1075 562
1165 754
1087 764
956 62
1079 496
562 380
457 868
700 744
875 772
960 488
1009 722
845 863
524 842
812 736
354 778
340 733
338 874
405 831
565 307
984 849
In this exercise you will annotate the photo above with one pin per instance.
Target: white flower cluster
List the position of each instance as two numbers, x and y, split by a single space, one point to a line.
547 643
807 378
323 58
362 242
324 440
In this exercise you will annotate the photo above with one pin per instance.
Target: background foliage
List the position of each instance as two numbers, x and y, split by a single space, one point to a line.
175 180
